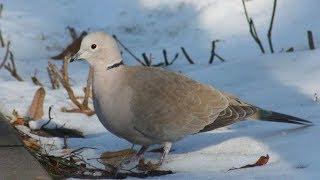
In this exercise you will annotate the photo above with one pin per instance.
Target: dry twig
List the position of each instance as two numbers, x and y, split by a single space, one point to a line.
271 25
1 39
83 107
213 53
310 40
252 28
12 67
187 56
1 9
6 55
35 80
53 78
165 56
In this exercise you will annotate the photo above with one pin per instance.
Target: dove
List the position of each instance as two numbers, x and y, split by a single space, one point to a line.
149 105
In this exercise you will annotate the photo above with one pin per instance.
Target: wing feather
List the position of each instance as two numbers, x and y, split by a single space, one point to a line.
167 106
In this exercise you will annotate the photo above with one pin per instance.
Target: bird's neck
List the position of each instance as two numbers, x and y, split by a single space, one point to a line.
107 73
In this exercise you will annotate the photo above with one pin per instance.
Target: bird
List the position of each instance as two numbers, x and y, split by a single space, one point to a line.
154 106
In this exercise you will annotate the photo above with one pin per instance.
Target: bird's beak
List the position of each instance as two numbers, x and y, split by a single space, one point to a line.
75 57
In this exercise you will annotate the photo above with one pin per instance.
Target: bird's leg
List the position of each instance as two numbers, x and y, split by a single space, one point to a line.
166 150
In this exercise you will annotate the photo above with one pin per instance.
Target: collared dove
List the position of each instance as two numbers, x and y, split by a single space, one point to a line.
147 105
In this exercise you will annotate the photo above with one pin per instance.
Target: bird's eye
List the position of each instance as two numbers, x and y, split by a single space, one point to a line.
93 46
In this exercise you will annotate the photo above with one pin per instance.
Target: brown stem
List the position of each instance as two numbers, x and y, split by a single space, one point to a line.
53 79
12 67
67 86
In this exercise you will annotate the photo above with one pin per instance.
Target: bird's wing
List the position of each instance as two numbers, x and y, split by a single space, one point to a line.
236 111
167 106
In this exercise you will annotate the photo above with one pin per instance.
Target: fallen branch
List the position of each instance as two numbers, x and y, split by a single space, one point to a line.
187 55
271 25
252 28
12 67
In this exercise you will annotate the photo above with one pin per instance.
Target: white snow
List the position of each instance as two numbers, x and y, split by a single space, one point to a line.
284 82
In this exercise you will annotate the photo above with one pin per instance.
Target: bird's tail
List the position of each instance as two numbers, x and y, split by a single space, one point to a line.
266 115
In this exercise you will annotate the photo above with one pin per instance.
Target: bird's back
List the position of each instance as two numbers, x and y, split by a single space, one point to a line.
167 106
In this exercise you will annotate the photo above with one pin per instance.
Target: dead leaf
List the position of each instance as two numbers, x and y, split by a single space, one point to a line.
19 121
71 49
263 160
36 109
116 157
142 166
32 144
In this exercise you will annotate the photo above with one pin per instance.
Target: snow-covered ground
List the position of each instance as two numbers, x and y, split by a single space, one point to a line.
284 82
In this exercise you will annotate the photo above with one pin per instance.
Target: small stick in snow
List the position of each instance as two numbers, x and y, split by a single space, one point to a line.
35 80
146 59
187 56
6 55
1 9
165 56
291 49
12 67
50 118
1 39
213 53
271 26
252 28
310 40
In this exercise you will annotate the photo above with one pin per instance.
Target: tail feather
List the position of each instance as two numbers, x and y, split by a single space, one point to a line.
265 115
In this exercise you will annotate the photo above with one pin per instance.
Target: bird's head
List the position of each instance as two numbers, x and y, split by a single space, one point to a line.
98 48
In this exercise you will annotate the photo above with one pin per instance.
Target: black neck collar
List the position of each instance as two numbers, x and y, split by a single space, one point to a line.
115 65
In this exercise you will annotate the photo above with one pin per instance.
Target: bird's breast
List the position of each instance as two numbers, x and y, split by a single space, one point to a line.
111 100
